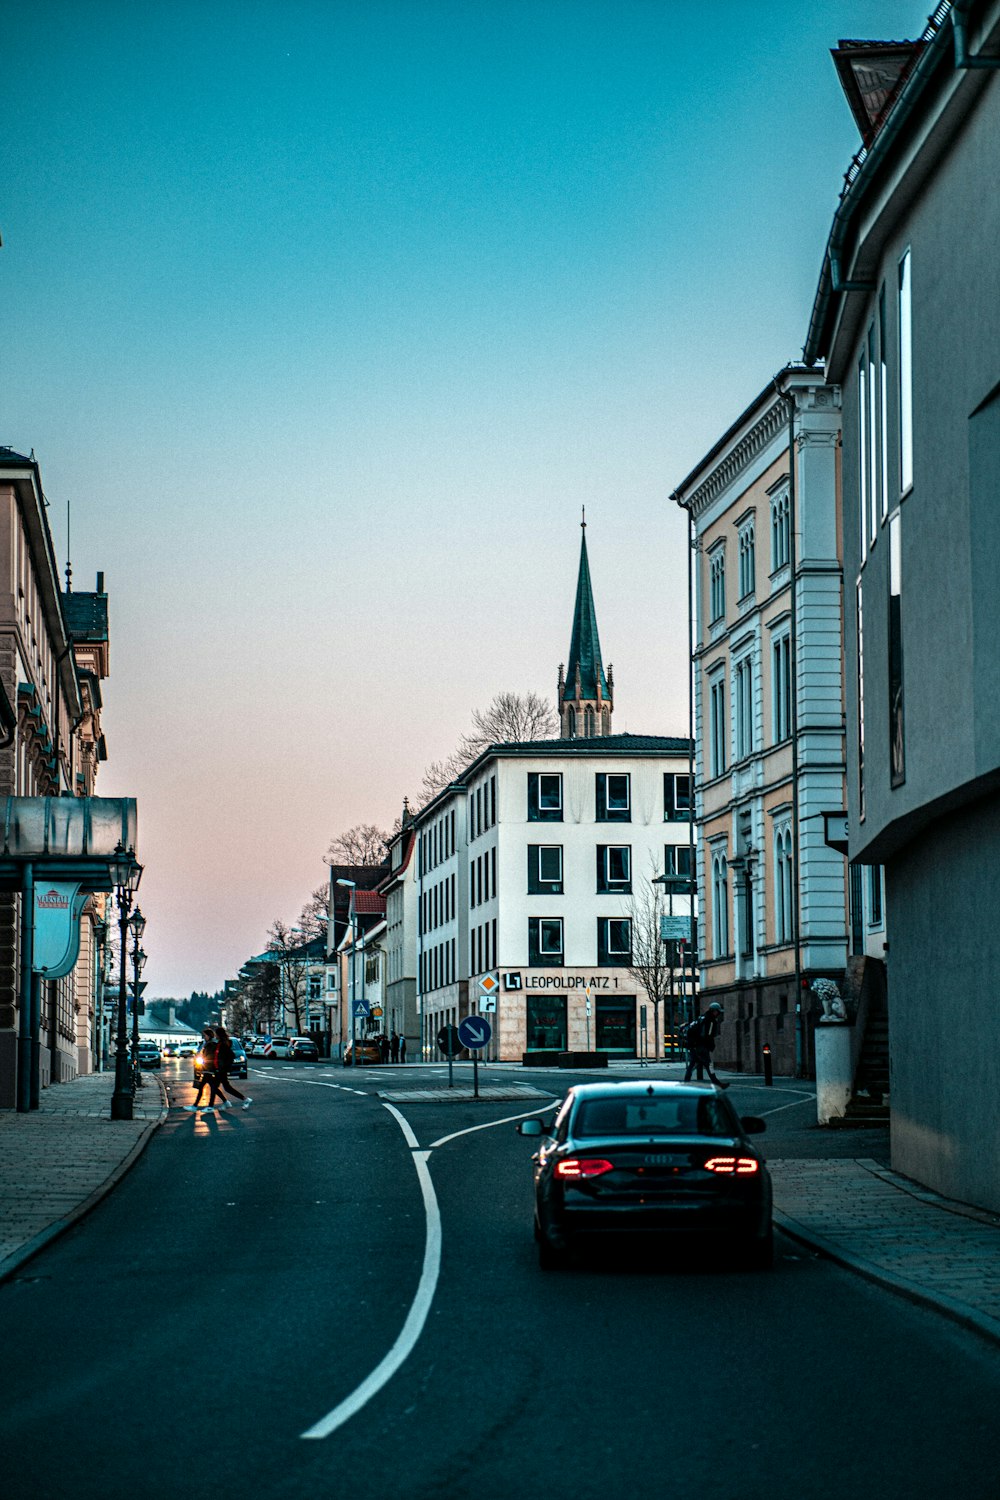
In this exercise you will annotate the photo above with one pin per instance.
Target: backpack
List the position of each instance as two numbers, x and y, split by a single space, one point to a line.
693 1033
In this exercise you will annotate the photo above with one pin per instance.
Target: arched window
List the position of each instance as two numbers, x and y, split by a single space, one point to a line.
783 885
571 723
588 723
720 905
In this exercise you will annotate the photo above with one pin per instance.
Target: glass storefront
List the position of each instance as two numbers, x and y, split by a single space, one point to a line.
614 1030
547 1022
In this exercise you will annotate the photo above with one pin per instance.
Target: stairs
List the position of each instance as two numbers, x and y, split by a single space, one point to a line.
869 1102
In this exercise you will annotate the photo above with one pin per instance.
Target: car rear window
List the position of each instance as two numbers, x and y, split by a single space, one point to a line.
650 1116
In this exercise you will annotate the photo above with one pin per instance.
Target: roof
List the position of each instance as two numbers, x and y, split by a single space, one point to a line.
933 57
86 616
369 903
585 645
608 744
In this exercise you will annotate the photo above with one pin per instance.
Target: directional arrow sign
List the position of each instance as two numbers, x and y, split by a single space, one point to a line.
474 1032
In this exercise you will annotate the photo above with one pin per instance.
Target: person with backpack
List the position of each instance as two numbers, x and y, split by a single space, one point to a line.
699 1038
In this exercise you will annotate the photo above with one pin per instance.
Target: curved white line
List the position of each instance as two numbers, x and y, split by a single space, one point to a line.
507 1120
417 1316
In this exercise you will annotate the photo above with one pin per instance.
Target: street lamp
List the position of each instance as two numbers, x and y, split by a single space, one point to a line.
137 926
125 874
352 886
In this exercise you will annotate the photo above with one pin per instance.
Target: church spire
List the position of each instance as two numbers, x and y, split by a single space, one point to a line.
585 693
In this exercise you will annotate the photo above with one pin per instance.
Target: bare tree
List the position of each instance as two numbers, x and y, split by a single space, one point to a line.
364 844
253 1003
510 719
285 948
315 916
653 959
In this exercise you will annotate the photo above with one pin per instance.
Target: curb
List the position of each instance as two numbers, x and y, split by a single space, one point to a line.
958 1312
25 1252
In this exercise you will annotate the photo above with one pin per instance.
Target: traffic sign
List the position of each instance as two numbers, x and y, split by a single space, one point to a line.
489 987
360 1008
474 1032
447 1040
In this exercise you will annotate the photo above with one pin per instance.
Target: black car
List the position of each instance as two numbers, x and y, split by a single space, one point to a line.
303 1048
149 1055
672 1159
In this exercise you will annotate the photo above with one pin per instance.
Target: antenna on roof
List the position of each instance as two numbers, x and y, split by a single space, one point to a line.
69 554
583 522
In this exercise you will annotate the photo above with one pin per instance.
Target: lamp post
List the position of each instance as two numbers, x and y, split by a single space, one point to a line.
125 876
352 886
137 926
678 884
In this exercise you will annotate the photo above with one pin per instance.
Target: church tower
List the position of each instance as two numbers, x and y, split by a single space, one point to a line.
585 693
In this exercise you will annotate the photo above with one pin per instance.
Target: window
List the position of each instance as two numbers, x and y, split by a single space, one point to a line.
720 905
872 437
614 868
717 586
677 860
545 869
781 687
780 531
747 578
743 706
717 725
613 798
544 797
614 942
883 411
783 885
905 376
861 704
875 895
676 798
863 453
897 747
545 941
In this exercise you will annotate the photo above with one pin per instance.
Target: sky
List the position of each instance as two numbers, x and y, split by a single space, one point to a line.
325 319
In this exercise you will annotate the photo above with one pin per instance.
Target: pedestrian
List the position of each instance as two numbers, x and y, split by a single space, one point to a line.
207 1051
402 1048
383 1047
223 1062
394 1048
699 1037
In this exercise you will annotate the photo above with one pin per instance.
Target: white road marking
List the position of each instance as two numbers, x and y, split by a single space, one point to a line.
795 1104
507 1120
420 1307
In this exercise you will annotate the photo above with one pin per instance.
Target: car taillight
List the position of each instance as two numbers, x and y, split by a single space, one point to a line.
733 1166
575 1167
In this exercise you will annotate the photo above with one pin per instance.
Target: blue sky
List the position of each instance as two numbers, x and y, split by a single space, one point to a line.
327 318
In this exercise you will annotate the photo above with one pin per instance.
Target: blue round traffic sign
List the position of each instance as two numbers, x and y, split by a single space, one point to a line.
474 1032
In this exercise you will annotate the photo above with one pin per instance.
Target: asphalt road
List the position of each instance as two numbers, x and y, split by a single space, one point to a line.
256 1267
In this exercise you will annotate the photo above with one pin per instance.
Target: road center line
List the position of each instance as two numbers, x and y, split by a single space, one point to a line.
419 1308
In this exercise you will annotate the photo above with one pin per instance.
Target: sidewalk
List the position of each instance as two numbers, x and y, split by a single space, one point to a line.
936 1252
61 1159
57 1162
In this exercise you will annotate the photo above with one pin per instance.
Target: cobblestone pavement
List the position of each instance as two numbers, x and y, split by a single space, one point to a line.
61 1159
896 1233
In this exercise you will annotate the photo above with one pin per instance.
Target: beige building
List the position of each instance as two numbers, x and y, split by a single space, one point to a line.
53 656
764 508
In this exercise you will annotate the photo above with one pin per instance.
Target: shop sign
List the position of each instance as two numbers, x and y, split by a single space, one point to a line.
56 938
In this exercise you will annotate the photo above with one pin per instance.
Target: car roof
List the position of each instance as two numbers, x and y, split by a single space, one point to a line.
657 1088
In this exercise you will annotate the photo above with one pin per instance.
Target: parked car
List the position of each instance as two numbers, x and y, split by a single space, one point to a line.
280 1046
149 1055
304 1048
672 1159
188 1049
368 1052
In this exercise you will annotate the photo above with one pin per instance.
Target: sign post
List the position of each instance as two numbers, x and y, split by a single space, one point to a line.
475 1032
447 1040
589 1008
489 989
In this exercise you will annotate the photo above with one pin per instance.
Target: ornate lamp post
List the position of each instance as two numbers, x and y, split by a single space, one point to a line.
126 873
352 886
137 926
